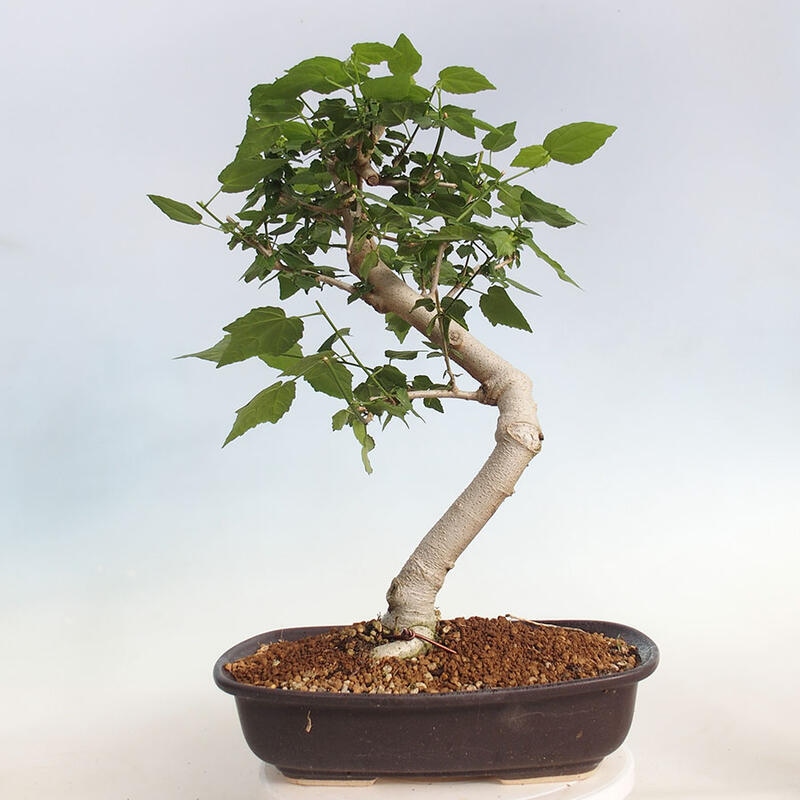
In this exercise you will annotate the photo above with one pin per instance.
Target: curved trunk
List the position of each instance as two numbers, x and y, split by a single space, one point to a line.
411 596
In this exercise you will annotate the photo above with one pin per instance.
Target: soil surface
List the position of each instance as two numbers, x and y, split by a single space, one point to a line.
489 653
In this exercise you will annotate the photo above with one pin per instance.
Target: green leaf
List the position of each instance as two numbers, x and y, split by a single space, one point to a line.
531 157
269 109
402 355
331 377
389 88
324 373
174 209
534 209
454 232
372 52
370 261
294 134
499 309
460 120
268 405
398 326
337 336
365 440
244 173
284 362
456 310
463 80
520 286
404 59
259 136
576 142
340 419
500 138
388 378
213 353
503 243
433 402
425 302
552 262
262 331
510 197
321 74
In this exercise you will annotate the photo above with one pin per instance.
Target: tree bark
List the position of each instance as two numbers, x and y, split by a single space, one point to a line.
518 437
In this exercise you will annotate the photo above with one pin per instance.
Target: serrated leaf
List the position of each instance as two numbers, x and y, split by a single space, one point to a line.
510 197
402 355
499 309
460 120
388 88
270 109
503 243
372 52
388 378
571 144
321 74
520 286
213 353
531 157
244 173
337 336
324 373
404 58
365 440
398 326
260 135
370 260
534 209
560 271
340 419
262 331
175 210
284 362
455 310
425 302
454 232
463 80
268 405
433 402
499 138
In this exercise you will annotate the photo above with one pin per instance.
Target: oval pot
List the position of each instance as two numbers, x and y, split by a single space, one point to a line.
529 732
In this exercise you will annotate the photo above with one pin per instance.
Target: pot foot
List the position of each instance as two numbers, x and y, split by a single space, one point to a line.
570 778
611 780
330 782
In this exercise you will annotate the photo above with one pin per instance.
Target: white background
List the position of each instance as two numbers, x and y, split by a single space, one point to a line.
135 551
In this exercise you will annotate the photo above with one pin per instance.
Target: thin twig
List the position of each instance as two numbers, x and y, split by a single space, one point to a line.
541 624
459 287
437 268
267 251
408 634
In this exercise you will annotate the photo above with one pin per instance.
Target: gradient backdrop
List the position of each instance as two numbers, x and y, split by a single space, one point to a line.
135 550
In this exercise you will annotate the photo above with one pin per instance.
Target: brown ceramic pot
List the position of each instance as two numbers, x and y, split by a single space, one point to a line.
550 730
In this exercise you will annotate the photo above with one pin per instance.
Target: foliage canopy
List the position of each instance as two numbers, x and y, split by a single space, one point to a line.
332 136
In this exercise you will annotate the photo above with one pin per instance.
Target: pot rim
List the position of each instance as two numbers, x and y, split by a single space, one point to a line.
646 647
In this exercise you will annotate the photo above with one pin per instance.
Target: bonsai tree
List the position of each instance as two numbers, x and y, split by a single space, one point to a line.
357 180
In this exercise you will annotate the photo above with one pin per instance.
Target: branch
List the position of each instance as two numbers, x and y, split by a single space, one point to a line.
268 252
459 287
479 396
437 268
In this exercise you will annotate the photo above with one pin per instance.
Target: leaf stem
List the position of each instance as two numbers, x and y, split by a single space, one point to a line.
341 338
